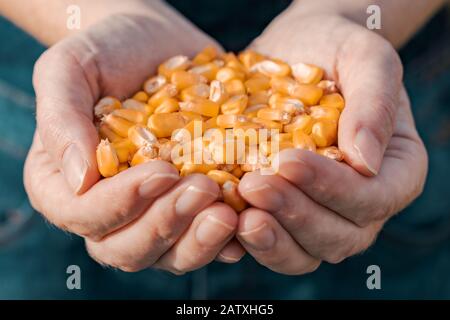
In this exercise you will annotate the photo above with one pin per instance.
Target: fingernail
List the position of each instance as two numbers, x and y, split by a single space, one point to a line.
261 238
74 167
193 200
269 197
156 184
369 150
228 259
212 231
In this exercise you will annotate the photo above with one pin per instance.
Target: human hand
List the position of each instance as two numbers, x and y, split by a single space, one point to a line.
145 216
317 209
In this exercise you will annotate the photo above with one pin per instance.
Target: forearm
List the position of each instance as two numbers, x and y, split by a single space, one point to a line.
400 19
47 20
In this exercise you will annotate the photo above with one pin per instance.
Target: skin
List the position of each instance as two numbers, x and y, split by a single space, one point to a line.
314 210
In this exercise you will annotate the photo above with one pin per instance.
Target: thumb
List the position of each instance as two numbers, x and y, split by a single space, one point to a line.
371 86
64 101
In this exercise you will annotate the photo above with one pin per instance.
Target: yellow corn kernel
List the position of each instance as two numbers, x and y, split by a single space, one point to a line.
123 166
165 150
252 111
302 122
217 92
230 120
204 107
272 68
133 104
173 64
232 197
163 124
167 91
322 112
282 137
106 133
328 86
303 141
107 160
282 85
183 79
324 132
131 115
180 135
141 96
256 84
260 97
290 105
234 87
190 168
118 125
167 106
206 55
226 73
210 123
197 91
209 70
237 172
307 73
268 124
235 105
334 100
221 176
105 106
123 154
249 57
307 93
124 149
331 152
189 116
141 136
274 115
154 84
144 154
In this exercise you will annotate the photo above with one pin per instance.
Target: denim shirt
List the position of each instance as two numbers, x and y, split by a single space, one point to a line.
412 251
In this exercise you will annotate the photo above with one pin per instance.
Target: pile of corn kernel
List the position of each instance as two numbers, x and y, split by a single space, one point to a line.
224 92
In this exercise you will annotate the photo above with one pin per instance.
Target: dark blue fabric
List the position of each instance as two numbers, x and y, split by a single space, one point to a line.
413 250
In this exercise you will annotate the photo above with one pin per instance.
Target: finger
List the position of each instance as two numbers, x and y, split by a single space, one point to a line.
107 206
336 185
200 244
139 244
231 253
371 89
64 102
322 233
267 241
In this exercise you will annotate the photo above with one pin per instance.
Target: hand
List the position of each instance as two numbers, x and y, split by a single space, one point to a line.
317 209
145 216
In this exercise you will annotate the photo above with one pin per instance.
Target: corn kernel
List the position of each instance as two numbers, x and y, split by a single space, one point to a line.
106 133
282 85
308 93
133 104
267 124
154 84
221 176
303 141
168 106
290 105
163 124
173 64
235 105
331 152
252 111
230 120
105 106
307 73
190 168
183 79
131 115
260 97
234 87
274 115
217 92
209 70
333 100
107 160
206 55
322 112
167 91
272 68
141 96
204 107
249 57
144 154
324 132
123 167
302 122
118 125
189 116
256 84
141 136
237 172
328 86
226 73
165 150
194 92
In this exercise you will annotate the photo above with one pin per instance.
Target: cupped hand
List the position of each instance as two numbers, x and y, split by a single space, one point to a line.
144 216
316 209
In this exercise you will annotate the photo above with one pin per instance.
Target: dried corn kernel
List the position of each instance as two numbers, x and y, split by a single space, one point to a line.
105 106
141 136
106 133
107 160
204 107
249 57
230 120
141 96
333 100
123 167
256 84
131 115
226 73
173 64
331 152
167 91
303 141
237 172
234 87
328 86
260 97
308 93
144 154
209 70
167 106
133 104
272 68
190 168
118 125
274 115
217 92
206 55
324 132
221 176
307 73
235 105
154 84
183 79
197 91
302 122
163 124
322 112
